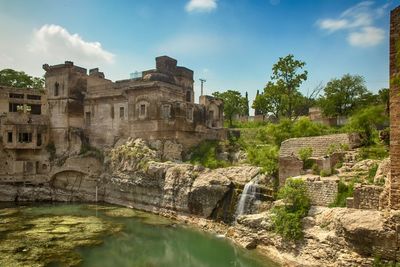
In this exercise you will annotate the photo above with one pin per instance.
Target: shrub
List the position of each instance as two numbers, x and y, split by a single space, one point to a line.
366 121
205 154
287 219
325 173
265 156
371 173
344 191
305 153
305 127
88 150
315 168
378 151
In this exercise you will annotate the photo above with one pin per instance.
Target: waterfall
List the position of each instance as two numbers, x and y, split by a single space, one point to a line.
247 197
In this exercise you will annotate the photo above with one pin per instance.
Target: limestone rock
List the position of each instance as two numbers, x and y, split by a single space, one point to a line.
382 171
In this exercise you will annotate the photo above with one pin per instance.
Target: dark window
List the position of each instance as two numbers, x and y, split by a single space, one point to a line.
20 96
188 96
56 88
25 137
189 114
142 110
39 139
87 116
112 112
34 97
13 107
36 109
9 137
121 112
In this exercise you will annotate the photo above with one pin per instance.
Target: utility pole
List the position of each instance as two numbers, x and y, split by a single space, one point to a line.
202 82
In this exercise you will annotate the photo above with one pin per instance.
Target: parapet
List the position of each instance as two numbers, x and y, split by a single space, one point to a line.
66 65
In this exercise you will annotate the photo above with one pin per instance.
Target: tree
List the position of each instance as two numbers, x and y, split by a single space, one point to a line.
343 96
288 77
10 77
272 100
234 104
247 110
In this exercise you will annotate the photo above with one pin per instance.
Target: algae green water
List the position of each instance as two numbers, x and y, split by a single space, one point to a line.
103 235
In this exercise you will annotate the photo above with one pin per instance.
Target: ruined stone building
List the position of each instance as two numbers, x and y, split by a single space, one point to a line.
24 134
86 108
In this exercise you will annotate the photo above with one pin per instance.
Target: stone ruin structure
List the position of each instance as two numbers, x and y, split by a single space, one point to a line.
159 105
291 165
24 135
394 194
79 108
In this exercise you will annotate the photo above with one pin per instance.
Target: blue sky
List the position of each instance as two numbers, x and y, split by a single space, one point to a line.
231 43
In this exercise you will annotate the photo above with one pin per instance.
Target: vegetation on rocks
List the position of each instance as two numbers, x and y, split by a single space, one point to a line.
287 218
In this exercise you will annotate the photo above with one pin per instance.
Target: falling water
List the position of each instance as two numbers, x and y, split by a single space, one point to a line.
247 197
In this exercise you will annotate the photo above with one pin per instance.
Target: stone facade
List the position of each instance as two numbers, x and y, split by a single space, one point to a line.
23 134
394 196
366 197
321 191
158 105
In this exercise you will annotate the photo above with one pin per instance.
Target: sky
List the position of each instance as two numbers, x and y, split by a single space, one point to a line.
233 44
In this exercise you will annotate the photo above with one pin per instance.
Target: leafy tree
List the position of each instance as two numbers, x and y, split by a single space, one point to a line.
234 104
10 77
281 96
271 101
288 77
343 96
384 98
366 121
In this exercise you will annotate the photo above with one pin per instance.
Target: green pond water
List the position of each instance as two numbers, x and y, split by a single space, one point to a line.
104 235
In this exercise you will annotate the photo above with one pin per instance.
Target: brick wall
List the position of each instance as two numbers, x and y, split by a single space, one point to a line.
394 197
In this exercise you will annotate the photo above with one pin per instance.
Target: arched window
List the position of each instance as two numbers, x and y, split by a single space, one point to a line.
56 88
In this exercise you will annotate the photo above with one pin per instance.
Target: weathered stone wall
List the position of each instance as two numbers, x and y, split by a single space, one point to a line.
319 144
394 111
289 167
321 192
366 197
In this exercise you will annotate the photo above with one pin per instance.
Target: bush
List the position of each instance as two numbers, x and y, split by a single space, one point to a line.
287 219
325 173
89 150
205 154
366 121
305 127
371 173
305 153
315 169
378 151
265 156
344 191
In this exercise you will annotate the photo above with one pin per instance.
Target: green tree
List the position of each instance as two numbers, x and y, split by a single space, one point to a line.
10 77
366 121
234 104
288 76
272 100
247 110
343 96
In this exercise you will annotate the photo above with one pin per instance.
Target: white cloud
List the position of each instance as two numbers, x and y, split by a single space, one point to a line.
201 5
56 43
366 37
358 21
333 24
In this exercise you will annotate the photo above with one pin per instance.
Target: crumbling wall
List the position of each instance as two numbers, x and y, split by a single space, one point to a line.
321 192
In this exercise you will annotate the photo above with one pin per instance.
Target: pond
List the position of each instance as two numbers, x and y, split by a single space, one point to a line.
105 235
